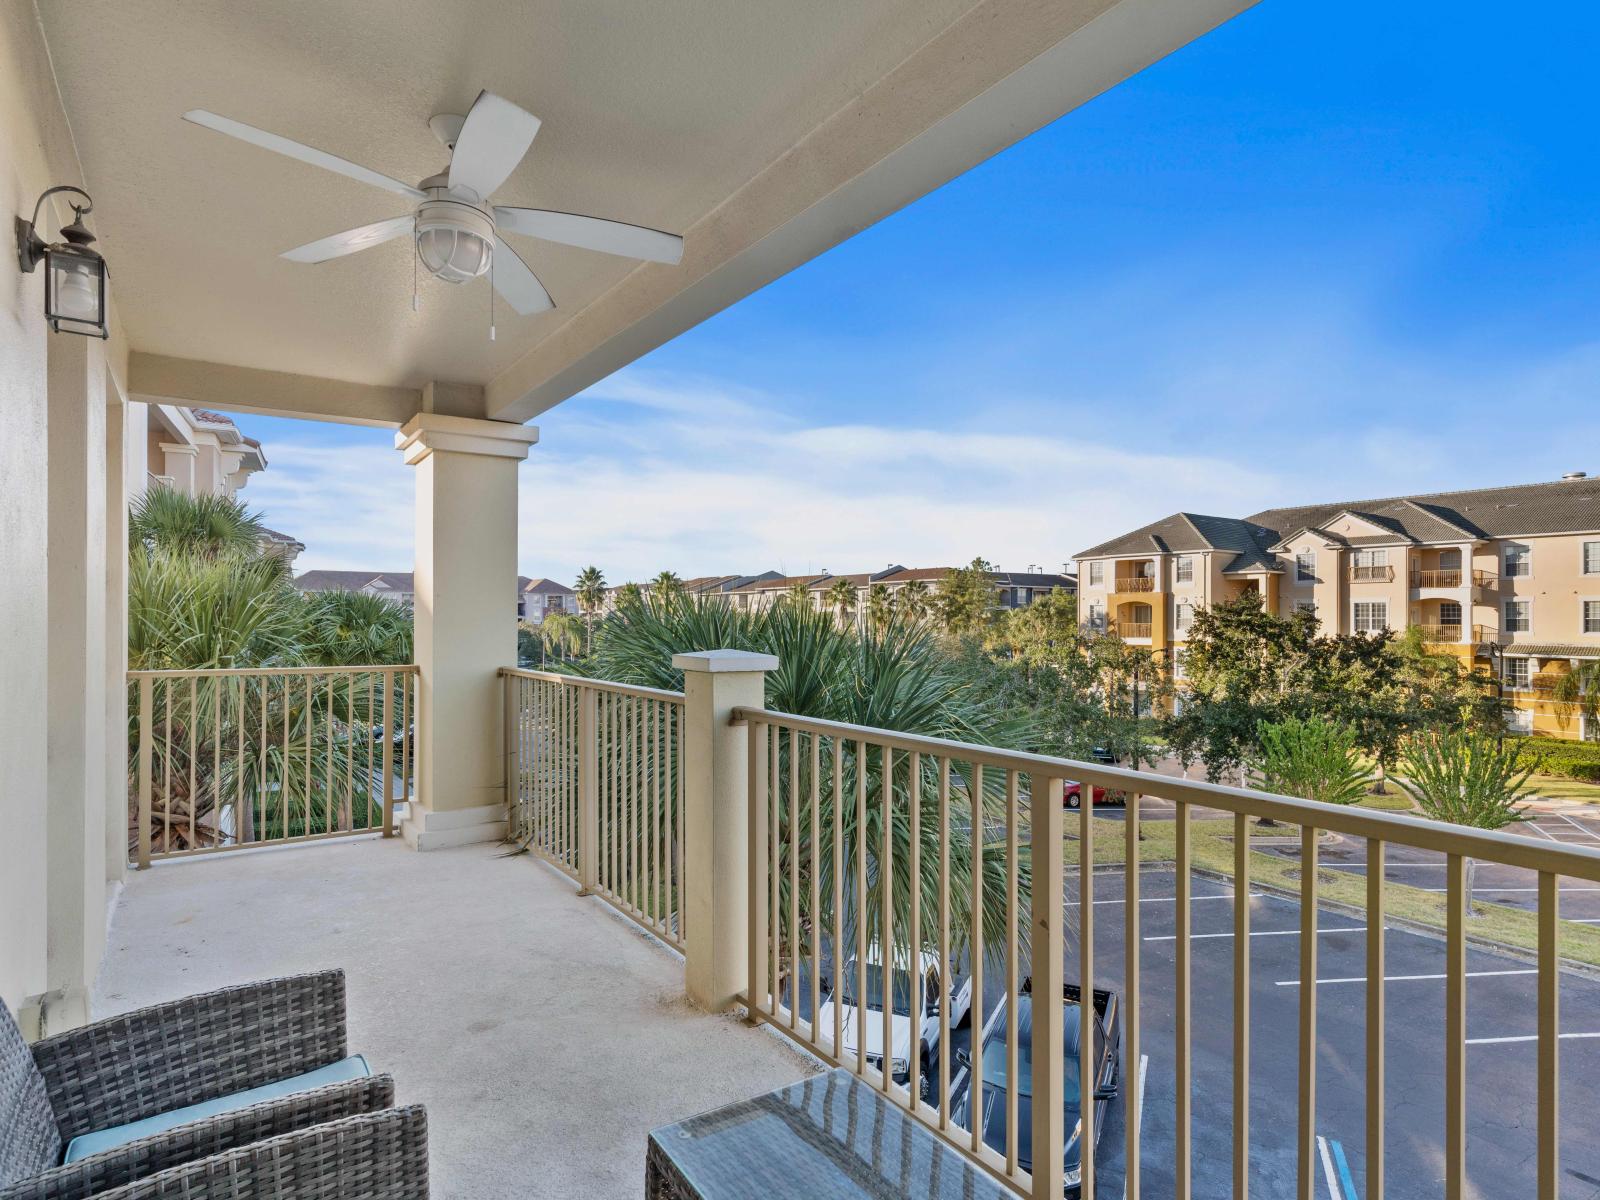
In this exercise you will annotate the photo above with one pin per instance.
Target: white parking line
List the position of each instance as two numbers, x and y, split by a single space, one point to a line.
1532 1037
1484 889
1327 1169
1406 978
1164 899
1172 937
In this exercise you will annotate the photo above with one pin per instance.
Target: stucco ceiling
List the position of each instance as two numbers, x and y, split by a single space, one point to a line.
653 113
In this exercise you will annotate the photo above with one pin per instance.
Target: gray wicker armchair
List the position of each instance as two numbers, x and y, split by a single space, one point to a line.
168 1057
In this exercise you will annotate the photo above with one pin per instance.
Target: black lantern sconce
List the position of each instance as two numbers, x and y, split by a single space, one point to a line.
75 274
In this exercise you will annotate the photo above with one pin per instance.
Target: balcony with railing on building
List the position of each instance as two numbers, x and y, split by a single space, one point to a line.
1371 572
1134 575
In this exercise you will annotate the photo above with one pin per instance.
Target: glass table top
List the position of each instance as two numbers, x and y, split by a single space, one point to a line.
828 1136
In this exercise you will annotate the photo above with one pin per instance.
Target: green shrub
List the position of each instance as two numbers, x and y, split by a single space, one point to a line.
1565 757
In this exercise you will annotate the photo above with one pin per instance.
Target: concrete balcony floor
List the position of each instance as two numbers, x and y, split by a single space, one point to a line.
545 1034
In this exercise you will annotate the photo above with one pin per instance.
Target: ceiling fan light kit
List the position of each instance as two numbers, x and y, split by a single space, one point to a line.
455 230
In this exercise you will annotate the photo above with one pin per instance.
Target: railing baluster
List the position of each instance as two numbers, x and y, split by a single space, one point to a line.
1376 970
1455 1029
166 757
146 763
757 855
775 819
1013 976
1048 966
366 740
1183 1074
243 817
836 951
975 940
678 764
947 991
1088 1061
1305 1148
886 893
1549 1061
194 688
792 842
216 763
347 811
310 722
660 818
1241 1006
914 891
861 907
815 896
1132 927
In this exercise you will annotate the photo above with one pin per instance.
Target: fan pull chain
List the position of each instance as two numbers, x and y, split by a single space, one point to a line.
491 293
416 253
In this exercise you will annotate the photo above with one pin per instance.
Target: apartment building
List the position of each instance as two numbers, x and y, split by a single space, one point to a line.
399 587
1013 589
1505 577
541 598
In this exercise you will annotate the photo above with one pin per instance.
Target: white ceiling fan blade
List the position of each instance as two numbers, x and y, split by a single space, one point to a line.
490 145
592 233
351 240
516 282
306 154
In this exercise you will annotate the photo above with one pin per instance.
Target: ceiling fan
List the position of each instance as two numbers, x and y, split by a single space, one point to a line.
455 228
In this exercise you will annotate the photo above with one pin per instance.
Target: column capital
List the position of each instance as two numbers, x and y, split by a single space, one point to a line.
427 432
718 662
179 448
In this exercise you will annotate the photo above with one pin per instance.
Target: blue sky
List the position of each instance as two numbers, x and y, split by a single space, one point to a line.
1330 251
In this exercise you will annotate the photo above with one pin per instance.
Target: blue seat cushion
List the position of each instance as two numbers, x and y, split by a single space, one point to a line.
85 1144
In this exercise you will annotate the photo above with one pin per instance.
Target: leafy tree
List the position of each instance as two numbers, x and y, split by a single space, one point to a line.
591 589
842 599
1467 777
1310 758
965 598
1045 631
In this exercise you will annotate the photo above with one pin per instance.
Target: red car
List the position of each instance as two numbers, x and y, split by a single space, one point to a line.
1072 795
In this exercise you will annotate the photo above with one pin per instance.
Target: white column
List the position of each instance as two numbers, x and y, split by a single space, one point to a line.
75 705
466 626
716 818
179 465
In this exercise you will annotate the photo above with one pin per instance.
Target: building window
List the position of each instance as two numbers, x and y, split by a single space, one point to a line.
1519 720
1371 616
1097 618
1306 606
1518 562
1178 665
1591 616
1518 674
1449 613
1185 616
1591 558
1519 616
1305 566
1183 569
1370 558
1097 574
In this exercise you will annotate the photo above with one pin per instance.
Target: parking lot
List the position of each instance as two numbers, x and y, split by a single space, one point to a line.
1501 1022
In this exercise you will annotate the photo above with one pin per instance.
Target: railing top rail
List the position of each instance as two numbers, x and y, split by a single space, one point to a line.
599 685
211 672
1399 828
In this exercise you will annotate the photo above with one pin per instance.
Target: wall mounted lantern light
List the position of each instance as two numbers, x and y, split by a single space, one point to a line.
75 274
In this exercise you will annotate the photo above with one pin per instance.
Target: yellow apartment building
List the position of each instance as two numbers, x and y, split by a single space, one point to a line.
1506 577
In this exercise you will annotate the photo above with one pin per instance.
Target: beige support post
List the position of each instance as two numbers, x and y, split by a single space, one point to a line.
466 629
716 818
588 791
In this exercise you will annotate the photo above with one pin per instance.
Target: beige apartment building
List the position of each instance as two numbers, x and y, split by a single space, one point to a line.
1013 589
1507 577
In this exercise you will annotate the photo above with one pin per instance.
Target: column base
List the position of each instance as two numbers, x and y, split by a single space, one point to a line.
424 829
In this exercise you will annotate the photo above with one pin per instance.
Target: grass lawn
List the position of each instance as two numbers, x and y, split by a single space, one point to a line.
1211 849
1554 787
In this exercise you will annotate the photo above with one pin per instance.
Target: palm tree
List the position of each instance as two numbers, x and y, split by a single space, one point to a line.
664 587
1579 689
562 633
914 600
897 679
166 519
842 599
798 593
591 591
879 606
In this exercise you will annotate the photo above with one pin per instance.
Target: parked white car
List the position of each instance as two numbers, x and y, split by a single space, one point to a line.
910 1034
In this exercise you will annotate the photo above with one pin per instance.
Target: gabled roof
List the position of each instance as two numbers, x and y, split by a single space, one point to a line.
1521 510
547 587
355 581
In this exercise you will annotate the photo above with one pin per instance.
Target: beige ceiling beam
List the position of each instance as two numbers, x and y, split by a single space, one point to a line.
1001 71
280 394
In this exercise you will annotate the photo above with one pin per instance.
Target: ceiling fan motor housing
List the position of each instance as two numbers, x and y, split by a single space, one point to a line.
455 240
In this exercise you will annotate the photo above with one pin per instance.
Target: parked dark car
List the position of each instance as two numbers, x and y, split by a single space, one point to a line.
992 1106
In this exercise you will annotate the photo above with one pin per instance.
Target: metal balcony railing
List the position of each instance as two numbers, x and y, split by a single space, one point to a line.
854 837
1369 574
229 759
1135 583
1436 579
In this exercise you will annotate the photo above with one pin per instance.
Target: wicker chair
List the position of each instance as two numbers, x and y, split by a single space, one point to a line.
173 1055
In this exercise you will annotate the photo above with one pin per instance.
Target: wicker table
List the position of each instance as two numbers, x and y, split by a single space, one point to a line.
828 1136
